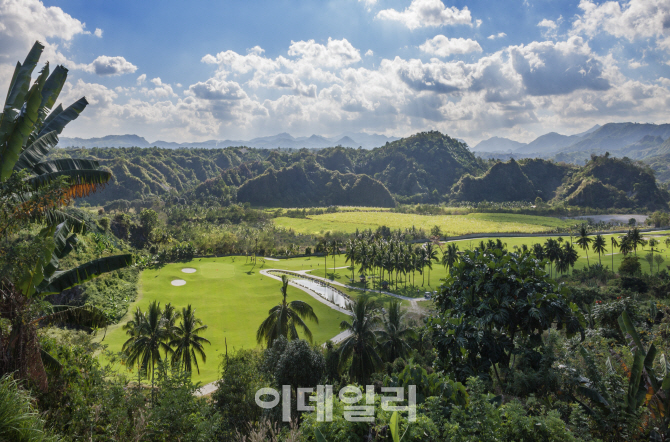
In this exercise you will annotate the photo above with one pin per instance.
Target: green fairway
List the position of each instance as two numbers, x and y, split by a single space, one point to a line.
451 225
230 297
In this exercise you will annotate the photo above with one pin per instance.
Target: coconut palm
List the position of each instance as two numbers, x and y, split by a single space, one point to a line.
626 245
431 255
394 333
584 241
636 239
570 255
614 245
186 342
351 255
599 246
147 338
538 251
284 318
552 251
361 345
659 260
450 255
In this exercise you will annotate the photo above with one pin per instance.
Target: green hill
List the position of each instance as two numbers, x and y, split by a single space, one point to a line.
305 185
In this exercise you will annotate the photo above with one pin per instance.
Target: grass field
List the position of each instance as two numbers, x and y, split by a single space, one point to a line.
450 225
231 297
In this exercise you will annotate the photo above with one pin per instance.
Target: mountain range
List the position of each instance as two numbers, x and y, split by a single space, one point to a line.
283 140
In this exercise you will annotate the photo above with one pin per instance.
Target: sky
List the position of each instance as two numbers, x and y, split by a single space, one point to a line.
212 69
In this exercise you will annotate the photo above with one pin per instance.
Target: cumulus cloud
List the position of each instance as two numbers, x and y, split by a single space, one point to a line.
633 20
26 21
335 54
104 65
498 35
98 32
549 24
217 90
141 79
424 13
369 53
444 47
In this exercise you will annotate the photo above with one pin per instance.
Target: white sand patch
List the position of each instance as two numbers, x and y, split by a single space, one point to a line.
188 270
178 282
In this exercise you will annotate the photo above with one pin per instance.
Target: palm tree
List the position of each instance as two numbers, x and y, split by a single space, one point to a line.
187 343
450 256
570 255
599 246
626 245
147 339
361 345
394 333
431 255
538 251
552 251
351 256
636 239
614 245
284 318
584 241
659 260
667 242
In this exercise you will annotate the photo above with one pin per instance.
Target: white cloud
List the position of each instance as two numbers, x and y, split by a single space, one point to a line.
549 24
369 53
98 32
26 21
157 81
141 79
636 64
633 20
498 35
104 65
478 23
423 13
337 53
444 47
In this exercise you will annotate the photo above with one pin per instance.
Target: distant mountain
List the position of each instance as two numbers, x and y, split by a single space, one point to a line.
107 141
548 143
282 140
614 136
497 144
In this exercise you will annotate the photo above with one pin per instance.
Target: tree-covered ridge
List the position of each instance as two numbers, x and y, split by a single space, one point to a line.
502 182
308 184
611 182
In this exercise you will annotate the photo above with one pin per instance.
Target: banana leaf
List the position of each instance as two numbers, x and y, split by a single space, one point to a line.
53 87
54 113
10 151
82 182
64 164
49 360
63 118
36 151
86 316
66 279
19 87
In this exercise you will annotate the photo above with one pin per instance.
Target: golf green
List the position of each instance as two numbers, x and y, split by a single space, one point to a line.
231 297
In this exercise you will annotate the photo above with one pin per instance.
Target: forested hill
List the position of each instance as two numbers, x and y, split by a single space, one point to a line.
426 167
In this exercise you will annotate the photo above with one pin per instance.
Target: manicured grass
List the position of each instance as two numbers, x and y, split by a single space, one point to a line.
231 298
450 225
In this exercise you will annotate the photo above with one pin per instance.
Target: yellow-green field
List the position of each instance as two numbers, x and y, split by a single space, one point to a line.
450 225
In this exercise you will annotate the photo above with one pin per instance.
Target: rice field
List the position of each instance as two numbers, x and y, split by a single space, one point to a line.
451 225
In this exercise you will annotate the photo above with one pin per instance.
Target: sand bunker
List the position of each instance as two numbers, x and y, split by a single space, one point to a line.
188 270
178 282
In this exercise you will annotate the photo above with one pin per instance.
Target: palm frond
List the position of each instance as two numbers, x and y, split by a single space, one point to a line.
63 118
304 310
64 280
86 316
50 361
36 151
64 164
82 182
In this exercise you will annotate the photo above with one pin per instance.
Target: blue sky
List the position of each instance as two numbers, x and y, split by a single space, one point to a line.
197 70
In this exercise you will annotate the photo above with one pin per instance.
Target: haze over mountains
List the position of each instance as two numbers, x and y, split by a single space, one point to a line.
283 140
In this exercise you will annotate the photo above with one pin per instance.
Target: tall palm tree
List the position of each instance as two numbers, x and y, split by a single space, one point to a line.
284 318
615 244
450 256
599 246
147 340
186 342
570 255
584 241
552 251
538 251
636 238
626 245
431 255
394 333
351 255
361 345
